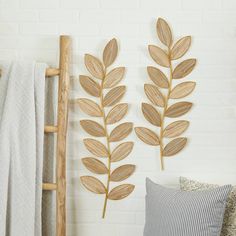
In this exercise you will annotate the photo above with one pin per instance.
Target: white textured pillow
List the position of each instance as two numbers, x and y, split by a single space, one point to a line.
229 223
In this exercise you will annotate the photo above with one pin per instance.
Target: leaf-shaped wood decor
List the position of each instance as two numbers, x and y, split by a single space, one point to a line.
163 91
101 79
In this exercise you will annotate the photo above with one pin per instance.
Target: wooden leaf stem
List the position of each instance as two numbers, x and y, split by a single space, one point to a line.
97 88
162 92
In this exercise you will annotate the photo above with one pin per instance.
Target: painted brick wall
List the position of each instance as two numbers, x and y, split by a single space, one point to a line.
29 29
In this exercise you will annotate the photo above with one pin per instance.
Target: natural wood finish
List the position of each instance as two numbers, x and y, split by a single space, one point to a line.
174 146
180 48
49 186
50 129
90 86
90 107
122 151
154 95
178 109
114 96
93 128
50 72
182 90
95 165
175 129
164 32
108 79
121 191
159 56
117 113
122 172
147 136
158 77
93 184
160 98
62 119
121 132
184 68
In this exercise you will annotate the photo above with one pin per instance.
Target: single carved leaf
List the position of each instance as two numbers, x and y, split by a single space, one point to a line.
182 90
94 66
93 184
178 109
154 95
114 77
96 147
158 77
151 114
121 132
174 146
90 86
117 113
147 136
110 52
159 56
89 107
164 32
184 68
122 151
114 96
93 128
180 48
175 129
123 172
121 191
95 165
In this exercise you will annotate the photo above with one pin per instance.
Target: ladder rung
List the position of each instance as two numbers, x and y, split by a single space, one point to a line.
49 186
52 72
50 129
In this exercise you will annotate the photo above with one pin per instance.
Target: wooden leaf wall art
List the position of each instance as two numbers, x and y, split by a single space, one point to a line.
102 83
161 93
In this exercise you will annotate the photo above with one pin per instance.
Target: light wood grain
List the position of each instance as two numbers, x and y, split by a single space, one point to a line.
121 131
121 191
93 184
89 107
151 114
96 147
147 136
158 77
50 129
184 68
110 52
117 113
90 86
174 146
95 165
178 109
51 72
62 121
164 32
175 129
114 96
94 66
93 128
182 90
159 56
49 186
180 48
122 172
114 77
122 151
154 95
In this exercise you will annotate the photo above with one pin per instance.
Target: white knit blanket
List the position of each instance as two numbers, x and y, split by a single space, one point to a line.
21 147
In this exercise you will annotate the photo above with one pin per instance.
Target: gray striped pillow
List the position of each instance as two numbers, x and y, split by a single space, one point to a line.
172 212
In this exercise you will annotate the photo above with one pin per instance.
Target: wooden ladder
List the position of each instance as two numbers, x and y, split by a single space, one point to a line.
61 130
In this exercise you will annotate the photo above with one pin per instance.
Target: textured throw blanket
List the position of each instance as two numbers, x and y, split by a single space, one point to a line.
22 87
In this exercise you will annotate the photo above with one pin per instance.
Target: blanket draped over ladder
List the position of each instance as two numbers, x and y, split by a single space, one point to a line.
22 88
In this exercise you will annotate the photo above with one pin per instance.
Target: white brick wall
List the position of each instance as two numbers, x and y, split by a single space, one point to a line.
30 29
